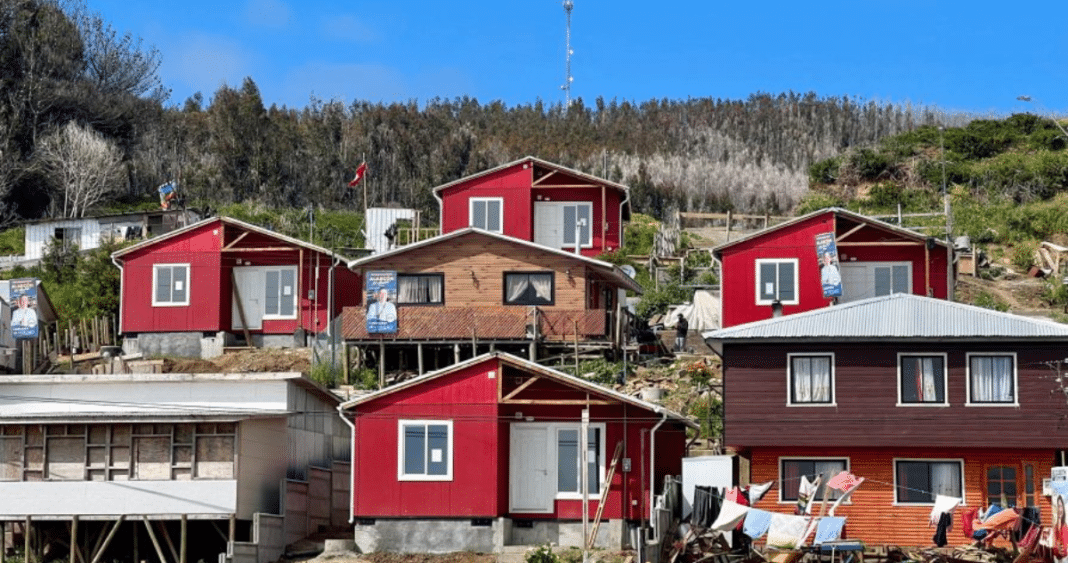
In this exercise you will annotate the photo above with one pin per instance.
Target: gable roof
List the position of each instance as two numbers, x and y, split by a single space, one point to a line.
539 162
529 366
883 225
900 316
226 221
610 270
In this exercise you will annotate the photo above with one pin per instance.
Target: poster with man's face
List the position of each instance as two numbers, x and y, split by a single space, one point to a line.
23 299
380 293
830 274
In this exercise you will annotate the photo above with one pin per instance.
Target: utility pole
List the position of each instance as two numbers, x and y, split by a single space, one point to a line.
949 216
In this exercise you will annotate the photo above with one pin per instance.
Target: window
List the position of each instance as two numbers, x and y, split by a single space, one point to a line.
921 481
922 379
280 293
486 213
528 288
811 379
791 471
578 216
420 289
171 285
862 280
569 460
1001 485
425 448
776 281
68 237
992 379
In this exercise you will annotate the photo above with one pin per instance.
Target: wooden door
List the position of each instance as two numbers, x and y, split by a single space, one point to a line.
1012 484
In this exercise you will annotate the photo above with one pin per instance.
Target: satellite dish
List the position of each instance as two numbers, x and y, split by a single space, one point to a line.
629 270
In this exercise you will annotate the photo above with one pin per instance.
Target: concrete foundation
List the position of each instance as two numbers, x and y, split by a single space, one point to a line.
179 344
445 536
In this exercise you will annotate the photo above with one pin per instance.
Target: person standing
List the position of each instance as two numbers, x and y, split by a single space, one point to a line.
681 328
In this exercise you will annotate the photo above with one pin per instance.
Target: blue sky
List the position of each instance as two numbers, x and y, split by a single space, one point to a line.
975 57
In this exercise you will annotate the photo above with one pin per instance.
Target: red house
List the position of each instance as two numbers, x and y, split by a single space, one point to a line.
486 453
538 201
920 396
779 266
223 282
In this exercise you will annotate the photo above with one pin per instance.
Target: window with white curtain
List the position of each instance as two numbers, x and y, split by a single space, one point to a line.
992 379
528 288
811 379
792 469
420 289
923 379
920 481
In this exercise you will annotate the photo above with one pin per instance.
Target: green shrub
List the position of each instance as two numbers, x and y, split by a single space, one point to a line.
13 242
600 371
364 378
868 164
824 171
324 374
1055 292
813 201
708 411
541 554
1023 255
988 301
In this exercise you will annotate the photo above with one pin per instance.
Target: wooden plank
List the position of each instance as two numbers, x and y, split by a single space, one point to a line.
520 389
155 542
850 231
107 541
236 240
556 402
883 243
167 538
262 249
241 308
604 494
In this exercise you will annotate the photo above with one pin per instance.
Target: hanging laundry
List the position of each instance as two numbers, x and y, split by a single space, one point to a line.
967 519
730 515
828 529
734 494
1029 517
943 504
756 523
785 530
806 490
705 506
757 492
843 481
945 520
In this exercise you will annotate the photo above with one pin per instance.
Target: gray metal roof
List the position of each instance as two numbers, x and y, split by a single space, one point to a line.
899 316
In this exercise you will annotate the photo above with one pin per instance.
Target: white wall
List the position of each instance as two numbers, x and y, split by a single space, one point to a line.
93 498
261 465
38 235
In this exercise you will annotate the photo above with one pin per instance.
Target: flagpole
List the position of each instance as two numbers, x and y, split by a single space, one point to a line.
364 159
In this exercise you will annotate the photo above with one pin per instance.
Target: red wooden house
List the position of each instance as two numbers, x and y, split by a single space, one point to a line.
538 201
486 453
470 291
779 266
920 396
223 282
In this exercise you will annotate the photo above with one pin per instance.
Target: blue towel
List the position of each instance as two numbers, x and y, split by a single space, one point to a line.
829 529
756 523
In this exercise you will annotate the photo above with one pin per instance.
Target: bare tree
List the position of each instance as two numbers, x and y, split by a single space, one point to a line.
118 62
84 166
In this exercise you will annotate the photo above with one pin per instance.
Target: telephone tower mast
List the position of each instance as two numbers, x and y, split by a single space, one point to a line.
568 6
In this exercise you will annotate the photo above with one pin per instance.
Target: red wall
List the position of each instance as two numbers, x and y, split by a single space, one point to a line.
872 516
738 266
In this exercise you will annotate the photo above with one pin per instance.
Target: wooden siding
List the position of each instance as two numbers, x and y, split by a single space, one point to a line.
498 322
798 241
872 514
866 395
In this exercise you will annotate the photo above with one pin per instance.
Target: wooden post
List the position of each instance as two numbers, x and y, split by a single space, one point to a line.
381 364
576 351
27 356
111 536
185 539
136 545
345 362
26 548
455 353
233 528
167 538
419 356
729 220
474 343
73 538
155 542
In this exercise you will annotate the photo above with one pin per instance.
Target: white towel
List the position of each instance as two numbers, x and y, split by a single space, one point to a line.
786 530
757 492
942 505
730 514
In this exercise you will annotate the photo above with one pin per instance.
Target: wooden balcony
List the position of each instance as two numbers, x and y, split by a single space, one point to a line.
430 323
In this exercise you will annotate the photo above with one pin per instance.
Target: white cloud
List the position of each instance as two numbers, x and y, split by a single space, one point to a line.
349 28
272 14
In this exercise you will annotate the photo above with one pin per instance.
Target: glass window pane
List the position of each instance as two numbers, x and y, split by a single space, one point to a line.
163 284
437 449
286 305
901 279
584 215
569 224
270 301
567 447
767 281
493 216
414 450
593 460
178 275
478 214
786 281
883 281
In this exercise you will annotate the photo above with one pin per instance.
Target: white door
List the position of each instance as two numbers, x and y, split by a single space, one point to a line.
250 283
530 487
548 224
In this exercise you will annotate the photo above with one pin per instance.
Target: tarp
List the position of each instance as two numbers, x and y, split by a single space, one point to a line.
702 314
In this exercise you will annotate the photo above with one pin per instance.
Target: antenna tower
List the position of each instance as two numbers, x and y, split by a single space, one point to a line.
568 6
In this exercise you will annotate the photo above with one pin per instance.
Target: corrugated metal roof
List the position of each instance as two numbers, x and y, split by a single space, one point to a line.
895 316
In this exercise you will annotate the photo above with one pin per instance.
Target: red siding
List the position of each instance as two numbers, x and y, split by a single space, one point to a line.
872 514
797 241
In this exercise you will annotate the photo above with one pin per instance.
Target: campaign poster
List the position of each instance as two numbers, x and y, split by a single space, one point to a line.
23 299
830 274
380 291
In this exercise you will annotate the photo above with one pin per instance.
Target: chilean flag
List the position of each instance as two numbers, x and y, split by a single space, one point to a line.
360 171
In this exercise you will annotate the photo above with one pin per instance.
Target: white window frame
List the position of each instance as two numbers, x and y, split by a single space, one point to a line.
945 379
790 381
958 461
296 300
471 212
588 228
401 475
797 291
1015 380
554 446
778 469
155 274
869 276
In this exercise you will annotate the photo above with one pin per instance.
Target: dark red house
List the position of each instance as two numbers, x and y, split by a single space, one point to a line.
541 202
920 396
486 453
223 282
779 266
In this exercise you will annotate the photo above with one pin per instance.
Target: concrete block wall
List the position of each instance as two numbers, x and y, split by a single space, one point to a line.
443 536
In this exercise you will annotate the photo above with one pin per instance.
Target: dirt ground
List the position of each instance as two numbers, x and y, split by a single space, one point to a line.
253 360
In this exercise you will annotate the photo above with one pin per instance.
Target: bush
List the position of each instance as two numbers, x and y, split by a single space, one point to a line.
813 201
13 242
868 164
600 371
708 411
541 554
1023 255
988 301
824 171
